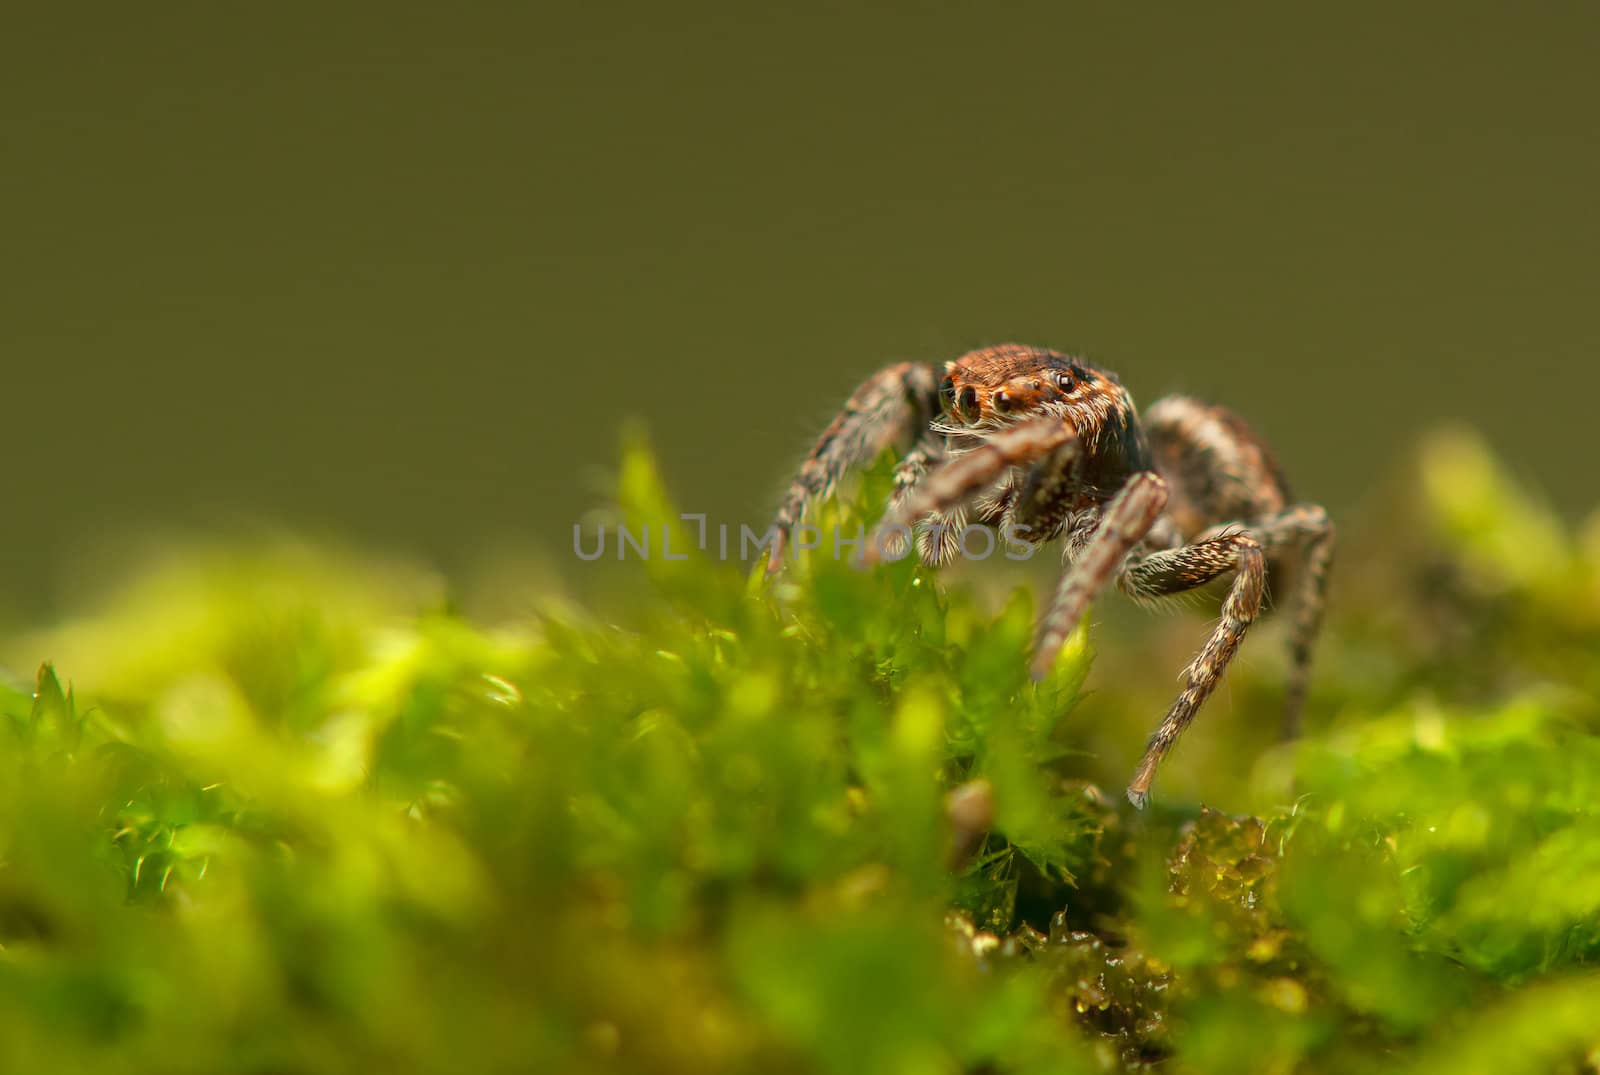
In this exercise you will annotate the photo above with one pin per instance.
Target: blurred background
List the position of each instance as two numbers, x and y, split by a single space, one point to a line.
398 276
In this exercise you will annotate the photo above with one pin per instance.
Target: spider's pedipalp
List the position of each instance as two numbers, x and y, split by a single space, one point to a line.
939 536
963 476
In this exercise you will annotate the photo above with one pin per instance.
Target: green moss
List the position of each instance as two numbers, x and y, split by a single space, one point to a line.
293 817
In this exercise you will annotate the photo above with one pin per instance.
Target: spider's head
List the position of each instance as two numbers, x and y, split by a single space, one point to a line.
994 387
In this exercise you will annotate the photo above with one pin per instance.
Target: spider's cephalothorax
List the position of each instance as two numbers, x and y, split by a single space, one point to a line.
1047 446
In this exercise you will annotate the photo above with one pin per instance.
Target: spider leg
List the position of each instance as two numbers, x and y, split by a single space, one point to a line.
938 542
952 483
928 452
886 410
1174 571
1308 532
1123 525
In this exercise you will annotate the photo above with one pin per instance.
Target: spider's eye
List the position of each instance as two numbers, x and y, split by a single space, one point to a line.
947 394
1001 402
967 404
1064 381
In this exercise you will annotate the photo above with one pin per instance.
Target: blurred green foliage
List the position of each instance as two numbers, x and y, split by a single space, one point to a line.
289 813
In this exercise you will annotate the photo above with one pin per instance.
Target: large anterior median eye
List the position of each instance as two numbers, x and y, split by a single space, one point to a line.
1064 381
967 405
947 394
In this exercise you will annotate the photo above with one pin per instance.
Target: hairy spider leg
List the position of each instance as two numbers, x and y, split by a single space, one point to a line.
1306 533
888 409
1174 571
1123 525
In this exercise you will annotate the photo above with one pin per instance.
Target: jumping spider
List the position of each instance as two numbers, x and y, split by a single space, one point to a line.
1047 446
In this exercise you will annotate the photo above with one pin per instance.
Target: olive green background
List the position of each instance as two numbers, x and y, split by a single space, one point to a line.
398 274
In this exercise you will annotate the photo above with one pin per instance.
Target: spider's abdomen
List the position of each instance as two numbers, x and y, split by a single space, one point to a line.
1218 469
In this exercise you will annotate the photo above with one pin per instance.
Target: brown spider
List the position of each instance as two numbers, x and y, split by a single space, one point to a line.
1047 446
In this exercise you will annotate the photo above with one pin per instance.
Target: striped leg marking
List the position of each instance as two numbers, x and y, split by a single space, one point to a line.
1125 522
1182 569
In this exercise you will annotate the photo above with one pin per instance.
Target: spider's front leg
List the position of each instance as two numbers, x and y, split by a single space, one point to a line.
889 409
1175 571
1125 521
